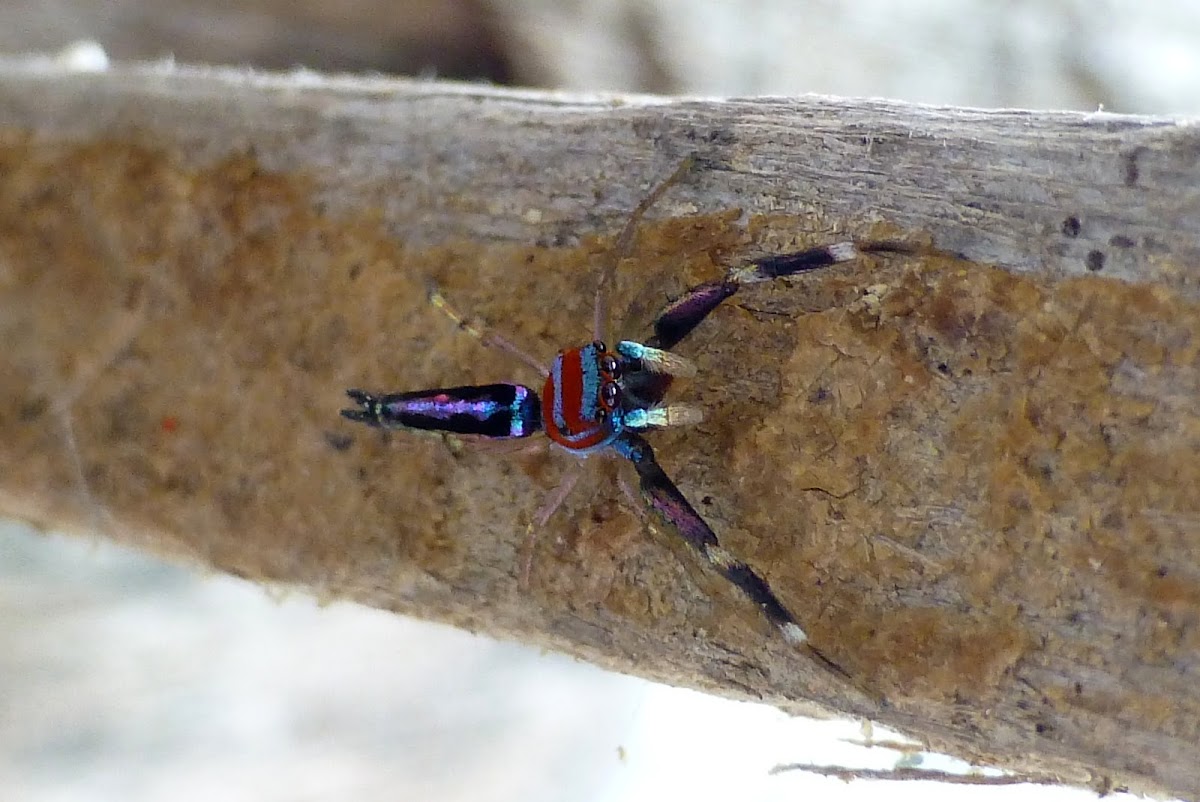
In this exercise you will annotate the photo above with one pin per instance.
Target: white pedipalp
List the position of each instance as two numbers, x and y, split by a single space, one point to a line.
656 360
664 416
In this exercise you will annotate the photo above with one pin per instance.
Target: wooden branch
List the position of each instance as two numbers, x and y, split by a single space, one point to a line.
974 479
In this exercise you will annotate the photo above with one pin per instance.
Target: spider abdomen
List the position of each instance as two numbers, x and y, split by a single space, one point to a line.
490 410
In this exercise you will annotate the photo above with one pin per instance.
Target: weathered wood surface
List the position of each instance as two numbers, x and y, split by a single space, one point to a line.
974 479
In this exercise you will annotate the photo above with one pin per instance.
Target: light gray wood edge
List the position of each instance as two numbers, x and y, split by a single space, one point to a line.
1000 187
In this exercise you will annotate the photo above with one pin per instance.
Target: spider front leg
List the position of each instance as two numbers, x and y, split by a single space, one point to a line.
667 502
680 317
624 243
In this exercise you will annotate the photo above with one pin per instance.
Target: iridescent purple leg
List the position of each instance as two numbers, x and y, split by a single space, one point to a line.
681 317
672 508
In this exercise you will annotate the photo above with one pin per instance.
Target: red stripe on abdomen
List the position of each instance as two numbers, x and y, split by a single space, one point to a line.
563 405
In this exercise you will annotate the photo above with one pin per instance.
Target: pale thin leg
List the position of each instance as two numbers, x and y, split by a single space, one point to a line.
104 520
481 332
506 446
113 344
631 495
541 517
624 242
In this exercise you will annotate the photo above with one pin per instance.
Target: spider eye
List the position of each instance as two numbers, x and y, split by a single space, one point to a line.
600 346
610 393
611 366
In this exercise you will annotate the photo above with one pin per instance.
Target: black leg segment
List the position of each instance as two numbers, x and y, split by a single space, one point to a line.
665 499
685 314
682 316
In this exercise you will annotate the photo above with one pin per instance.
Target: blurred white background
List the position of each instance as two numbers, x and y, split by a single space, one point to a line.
122 678
126 679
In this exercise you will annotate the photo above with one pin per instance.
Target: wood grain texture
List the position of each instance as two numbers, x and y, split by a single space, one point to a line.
973 477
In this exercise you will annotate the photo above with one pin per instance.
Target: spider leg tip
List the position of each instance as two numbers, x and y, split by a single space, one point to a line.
793 633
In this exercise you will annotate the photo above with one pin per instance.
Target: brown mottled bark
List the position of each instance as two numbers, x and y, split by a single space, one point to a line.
974 479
